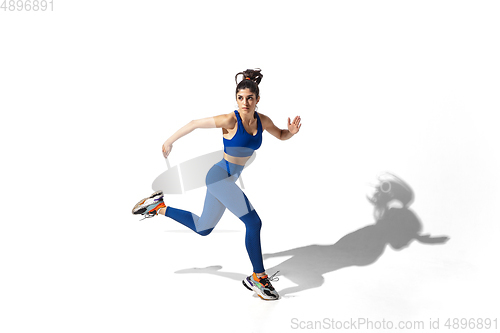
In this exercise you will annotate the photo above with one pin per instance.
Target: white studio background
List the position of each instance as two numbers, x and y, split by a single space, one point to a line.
91 90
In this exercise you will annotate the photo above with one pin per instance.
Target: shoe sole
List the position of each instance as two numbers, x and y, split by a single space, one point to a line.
257 291
142 205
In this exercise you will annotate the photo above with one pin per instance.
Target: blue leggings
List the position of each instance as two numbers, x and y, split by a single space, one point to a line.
222 193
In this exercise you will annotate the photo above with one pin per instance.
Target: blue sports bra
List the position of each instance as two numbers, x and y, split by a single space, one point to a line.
243 144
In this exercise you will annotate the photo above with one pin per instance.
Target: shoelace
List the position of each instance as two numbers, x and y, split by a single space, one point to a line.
149 215
146 217
272 278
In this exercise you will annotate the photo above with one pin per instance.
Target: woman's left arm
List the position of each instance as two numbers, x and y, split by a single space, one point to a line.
293 127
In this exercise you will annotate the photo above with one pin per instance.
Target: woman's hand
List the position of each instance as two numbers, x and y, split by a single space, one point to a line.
166 148
295 126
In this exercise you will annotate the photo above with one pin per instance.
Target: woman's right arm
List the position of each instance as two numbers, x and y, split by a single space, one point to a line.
222 121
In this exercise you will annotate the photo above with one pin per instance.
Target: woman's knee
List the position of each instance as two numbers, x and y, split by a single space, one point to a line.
252 220
205 232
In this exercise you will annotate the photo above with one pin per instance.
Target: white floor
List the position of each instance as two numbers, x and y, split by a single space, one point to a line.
89 94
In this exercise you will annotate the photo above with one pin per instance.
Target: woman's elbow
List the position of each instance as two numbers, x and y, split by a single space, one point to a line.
193 124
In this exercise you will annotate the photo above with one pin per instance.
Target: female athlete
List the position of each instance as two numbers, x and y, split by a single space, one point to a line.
242 135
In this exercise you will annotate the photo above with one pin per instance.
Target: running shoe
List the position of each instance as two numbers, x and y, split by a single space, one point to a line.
148 207
262 286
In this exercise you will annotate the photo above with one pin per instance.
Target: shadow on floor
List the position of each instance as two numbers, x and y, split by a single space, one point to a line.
396 227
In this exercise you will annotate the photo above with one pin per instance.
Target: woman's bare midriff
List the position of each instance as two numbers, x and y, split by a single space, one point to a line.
236 160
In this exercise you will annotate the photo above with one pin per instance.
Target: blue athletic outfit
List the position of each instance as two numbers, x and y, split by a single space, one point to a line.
222 193
243 143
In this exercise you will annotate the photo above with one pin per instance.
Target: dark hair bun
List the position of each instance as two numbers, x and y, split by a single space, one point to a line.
251 74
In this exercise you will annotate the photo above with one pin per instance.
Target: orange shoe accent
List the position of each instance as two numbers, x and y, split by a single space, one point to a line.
162 205
257 278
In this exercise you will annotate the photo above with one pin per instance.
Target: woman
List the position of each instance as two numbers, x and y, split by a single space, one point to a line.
242 135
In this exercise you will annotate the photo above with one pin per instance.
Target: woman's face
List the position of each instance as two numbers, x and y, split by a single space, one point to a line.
246 100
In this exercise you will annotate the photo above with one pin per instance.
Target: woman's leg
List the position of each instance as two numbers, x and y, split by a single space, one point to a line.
203 225
233 198
222 193
213 209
